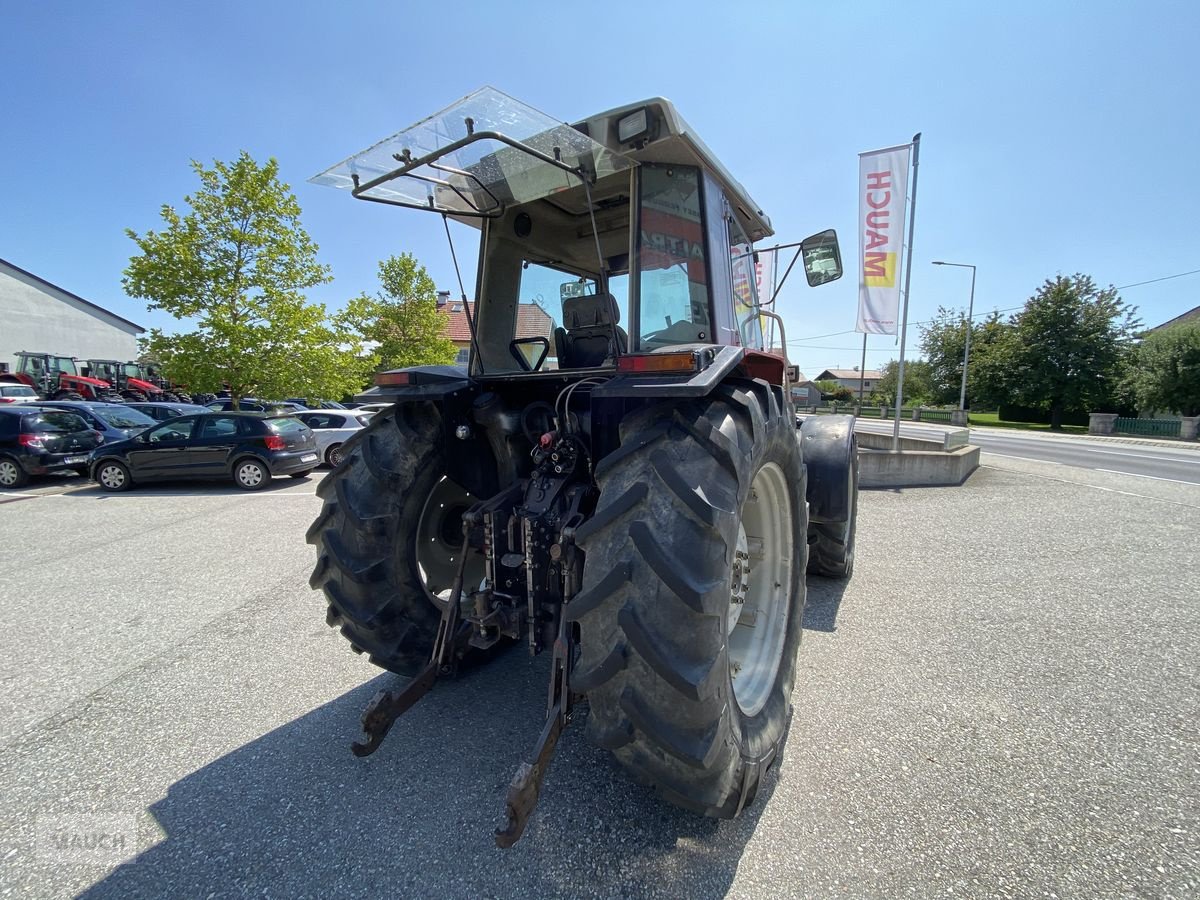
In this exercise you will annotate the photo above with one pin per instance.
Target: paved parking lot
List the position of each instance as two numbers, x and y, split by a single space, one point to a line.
1002 702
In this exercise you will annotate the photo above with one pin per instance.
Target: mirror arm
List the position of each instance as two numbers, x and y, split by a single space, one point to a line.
783 280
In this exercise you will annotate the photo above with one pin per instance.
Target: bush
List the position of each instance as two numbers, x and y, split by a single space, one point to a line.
1010 412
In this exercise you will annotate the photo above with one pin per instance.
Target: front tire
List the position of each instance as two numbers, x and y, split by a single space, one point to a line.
388 537
689 689
11 473
113 476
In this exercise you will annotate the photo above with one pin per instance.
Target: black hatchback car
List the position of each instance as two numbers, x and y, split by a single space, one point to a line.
35 440
248 447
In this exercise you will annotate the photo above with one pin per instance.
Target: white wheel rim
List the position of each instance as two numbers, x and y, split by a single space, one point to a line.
112 476
250 475
8 473
760 590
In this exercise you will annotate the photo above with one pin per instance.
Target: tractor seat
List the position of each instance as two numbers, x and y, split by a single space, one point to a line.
587 338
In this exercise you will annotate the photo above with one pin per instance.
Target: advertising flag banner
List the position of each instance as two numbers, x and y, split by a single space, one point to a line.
764 273
882 189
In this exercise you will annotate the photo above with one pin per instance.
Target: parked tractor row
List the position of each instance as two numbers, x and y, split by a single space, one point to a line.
56 377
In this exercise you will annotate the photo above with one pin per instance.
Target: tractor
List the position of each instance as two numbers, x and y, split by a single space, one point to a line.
57 378
151 373
636 499
125 379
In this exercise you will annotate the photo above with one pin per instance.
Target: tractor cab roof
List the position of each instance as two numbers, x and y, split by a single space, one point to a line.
489 152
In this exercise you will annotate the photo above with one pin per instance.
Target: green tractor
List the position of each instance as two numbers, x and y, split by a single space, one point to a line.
627 488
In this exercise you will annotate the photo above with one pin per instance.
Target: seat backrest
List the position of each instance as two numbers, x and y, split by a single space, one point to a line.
587 336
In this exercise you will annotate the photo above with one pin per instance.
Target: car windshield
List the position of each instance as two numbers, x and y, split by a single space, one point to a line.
125 418
55 423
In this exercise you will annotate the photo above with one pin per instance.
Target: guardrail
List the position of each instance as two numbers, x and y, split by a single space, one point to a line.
1147 427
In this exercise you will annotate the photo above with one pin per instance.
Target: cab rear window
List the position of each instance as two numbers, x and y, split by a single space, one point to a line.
54 423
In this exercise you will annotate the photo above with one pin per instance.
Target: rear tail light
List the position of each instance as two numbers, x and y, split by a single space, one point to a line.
674 362
7 400
33 441
98 435
275 442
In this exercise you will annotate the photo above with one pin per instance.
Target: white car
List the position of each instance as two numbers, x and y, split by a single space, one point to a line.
333 427
17 393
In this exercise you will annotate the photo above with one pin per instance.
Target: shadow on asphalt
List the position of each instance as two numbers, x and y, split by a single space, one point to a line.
294 813
824 601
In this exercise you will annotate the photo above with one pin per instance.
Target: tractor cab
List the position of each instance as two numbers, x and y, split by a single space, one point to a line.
621 235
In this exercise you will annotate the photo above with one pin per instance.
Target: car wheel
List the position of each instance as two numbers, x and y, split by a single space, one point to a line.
333 456
113 476
250 475
11 473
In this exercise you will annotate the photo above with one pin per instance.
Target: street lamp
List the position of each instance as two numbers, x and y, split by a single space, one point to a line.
962 397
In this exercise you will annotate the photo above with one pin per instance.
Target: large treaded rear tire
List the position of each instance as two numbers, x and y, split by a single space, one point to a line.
365 537
831 545
652 613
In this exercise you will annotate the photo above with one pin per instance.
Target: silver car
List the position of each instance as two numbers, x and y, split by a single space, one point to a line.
17 393
333 427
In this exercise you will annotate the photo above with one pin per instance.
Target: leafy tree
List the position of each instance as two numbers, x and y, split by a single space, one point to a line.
1065 350
830 389
402 318
918 384
1165 370
237 264
943 343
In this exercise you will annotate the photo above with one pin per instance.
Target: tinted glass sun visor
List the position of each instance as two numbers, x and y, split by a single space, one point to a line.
474 159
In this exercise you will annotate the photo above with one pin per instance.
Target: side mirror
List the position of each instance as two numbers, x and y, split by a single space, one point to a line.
822 258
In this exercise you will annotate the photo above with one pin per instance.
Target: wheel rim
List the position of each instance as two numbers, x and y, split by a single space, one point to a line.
760 590
112 477
8 473
335 456
250 474
439 542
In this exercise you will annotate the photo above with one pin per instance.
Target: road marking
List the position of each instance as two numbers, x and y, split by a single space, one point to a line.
1096 487
1152 477
1048 462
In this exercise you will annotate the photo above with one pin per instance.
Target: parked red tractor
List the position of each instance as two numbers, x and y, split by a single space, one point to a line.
57 378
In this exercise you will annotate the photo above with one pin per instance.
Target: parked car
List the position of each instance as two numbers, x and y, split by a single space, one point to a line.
17 393
248 447
333 429
38 441
115 421
254 404
161 412
372 407
316 403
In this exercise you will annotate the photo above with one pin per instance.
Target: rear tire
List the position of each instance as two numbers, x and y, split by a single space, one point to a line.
388 537
251 474
334 456
681 688
68 395
11 473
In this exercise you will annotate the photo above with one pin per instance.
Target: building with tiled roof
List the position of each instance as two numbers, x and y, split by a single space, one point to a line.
852 378
532 321
1192 315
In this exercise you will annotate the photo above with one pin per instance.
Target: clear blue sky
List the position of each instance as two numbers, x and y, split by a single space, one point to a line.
1056 137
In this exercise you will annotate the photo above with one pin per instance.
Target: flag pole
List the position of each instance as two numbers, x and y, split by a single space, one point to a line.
862 372
912 219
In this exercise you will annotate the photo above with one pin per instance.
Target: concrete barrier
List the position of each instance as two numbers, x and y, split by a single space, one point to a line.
919 461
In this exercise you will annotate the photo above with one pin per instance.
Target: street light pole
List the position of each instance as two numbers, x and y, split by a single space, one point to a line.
962 397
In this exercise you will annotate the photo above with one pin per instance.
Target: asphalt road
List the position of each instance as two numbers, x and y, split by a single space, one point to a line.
1001 702
1143 460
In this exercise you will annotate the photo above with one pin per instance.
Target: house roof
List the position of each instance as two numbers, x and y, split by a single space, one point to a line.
54 287
1190 315
532 321
850 374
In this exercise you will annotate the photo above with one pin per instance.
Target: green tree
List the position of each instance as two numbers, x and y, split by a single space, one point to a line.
1165 370
918 385
1065 350
236 264
402 318
943 342
831 390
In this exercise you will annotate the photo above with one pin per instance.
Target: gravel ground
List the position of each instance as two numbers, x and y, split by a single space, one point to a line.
1001 702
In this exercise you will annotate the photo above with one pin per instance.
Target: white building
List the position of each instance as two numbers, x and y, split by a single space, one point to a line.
41 317
852 379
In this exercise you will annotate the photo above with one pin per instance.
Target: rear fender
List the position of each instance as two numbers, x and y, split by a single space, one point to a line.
828 444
